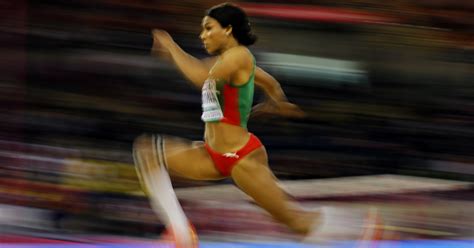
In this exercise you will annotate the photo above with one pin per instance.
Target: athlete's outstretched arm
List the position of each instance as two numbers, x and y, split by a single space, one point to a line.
194 70
276 101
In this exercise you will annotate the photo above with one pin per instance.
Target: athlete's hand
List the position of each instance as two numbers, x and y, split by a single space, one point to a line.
282 108
162 42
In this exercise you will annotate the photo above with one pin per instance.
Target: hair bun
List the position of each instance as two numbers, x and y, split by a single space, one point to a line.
228 14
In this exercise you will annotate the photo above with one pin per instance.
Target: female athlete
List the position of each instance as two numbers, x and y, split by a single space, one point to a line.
227 82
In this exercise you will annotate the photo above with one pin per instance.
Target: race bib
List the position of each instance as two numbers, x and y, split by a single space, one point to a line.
211 109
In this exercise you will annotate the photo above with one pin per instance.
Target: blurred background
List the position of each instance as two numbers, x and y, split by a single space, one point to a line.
387 87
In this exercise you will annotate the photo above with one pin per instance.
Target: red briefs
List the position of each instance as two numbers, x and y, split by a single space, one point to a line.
225 162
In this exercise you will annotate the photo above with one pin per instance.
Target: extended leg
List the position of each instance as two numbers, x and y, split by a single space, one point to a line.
253 176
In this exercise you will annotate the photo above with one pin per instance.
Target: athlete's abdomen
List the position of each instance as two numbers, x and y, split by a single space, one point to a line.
224 137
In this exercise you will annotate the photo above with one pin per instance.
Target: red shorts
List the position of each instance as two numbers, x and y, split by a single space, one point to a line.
225 162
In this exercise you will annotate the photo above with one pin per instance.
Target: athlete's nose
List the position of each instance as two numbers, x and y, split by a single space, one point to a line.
201 35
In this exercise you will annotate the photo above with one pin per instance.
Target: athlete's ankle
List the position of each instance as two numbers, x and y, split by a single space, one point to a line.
306 222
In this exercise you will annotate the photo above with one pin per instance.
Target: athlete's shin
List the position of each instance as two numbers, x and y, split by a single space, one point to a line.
150 164
293 216
148 170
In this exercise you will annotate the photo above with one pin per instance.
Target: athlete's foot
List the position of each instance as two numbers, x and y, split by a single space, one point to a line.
342 224
192 241
313 236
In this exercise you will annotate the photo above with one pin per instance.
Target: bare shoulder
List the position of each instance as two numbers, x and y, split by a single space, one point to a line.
239 56
235 65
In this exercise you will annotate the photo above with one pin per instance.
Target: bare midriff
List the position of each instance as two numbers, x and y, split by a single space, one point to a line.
223 137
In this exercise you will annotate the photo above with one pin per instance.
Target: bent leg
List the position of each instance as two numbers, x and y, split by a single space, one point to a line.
253 176
150 159
189 159
148 169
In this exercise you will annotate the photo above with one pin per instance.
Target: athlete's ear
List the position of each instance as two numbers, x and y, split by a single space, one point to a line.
228 30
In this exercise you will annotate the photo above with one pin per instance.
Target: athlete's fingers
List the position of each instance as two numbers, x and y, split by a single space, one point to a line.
161 38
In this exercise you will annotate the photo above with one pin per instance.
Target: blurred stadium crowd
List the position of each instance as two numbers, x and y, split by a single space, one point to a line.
387 87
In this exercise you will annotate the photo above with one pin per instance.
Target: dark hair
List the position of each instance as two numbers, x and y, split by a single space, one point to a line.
228 14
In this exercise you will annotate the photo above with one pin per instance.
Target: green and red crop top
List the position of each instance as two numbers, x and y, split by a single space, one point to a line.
227 102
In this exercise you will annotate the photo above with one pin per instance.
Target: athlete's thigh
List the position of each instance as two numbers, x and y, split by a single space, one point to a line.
188 159
256 160
253 175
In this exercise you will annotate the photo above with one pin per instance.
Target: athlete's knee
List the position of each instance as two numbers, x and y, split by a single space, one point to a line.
142 143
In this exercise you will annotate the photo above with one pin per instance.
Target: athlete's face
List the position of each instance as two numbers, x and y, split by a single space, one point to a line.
213 35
